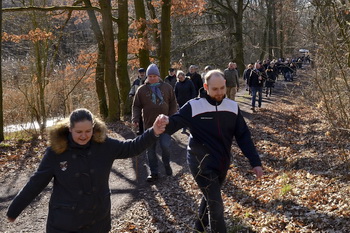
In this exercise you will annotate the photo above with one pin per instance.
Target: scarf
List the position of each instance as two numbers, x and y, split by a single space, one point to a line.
156 93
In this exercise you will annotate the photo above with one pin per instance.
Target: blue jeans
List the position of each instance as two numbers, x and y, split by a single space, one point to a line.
164 142
254 91
211 208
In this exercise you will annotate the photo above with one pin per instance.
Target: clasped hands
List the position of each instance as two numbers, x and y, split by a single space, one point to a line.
160 124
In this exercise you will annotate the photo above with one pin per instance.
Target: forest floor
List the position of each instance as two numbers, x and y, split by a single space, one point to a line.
306 186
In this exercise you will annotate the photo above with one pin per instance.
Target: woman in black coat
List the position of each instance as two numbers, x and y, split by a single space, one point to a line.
271 73
256 83
79 160
184 90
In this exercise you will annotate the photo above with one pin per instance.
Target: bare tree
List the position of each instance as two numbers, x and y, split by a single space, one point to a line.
165 38
141 18
232 12
122 68
330 31
100 71
110 69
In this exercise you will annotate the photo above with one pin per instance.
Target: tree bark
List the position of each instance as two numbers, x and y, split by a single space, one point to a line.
165 38
239 46
99 76
264 42
153 15
275 50
269 19
122 67
110 70
1 95
281 32
141 17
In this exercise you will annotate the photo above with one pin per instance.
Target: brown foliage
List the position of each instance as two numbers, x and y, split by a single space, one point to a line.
33 35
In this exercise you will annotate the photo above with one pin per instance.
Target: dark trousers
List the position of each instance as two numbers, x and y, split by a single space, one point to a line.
140 126
211 208
255 91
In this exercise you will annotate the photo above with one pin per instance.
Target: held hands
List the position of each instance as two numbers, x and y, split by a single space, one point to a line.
160 124
258 172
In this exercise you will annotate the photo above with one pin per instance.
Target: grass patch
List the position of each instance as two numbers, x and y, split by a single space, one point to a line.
22 136
286 189
237 226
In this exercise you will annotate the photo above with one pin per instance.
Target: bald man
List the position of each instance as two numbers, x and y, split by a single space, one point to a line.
213 121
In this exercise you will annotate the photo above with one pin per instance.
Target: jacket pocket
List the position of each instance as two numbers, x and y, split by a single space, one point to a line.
62 216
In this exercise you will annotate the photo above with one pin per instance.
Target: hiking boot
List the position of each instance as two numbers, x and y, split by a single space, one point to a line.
152 178
168 170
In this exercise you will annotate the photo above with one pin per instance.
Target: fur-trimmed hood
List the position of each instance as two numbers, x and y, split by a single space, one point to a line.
58 135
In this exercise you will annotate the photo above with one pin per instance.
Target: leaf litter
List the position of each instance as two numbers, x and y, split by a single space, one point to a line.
305 187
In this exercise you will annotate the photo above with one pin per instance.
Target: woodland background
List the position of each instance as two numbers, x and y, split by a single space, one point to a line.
60 55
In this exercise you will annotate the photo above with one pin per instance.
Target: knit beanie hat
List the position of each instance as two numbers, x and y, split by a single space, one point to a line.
152 69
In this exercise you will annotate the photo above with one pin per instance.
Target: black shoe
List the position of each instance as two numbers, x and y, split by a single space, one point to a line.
168 170
152 178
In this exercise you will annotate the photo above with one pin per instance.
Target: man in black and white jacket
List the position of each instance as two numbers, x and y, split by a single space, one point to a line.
213 121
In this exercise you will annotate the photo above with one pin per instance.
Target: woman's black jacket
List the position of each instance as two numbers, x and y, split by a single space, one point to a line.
80 199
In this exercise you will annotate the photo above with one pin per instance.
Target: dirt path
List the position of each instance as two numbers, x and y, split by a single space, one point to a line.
127 180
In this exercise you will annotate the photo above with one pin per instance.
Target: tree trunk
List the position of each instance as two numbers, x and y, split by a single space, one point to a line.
122 67
165 38
281 39
275 50
269 19
153 15
141 17
231 37
1 96
239 46
281 32
264 42
110 70
99 76
40 49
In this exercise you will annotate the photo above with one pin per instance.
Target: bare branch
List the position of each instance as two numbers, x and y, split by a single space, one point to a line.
53 8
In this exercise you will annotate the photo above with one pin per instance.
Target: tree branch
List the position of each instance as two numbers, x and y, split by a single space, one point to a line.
53 8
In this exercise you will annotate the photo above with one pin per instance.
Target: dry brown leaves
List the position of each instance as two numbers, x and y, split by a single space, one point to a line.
305 187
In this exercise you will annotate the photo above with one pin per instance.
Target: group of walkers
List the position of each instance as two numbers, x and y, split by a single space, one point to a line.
262 76
80 155
197 103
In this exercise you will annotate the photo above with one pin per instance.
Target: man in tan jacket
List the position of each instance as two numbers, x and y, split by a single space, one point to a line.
232 81
151 99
